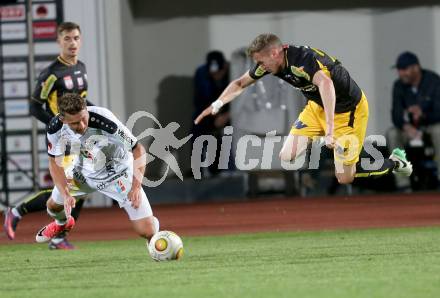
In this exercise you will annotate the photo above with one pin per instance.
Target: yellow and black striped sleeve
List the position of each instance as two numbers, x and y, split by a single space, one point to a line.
257 72
44 86
309 67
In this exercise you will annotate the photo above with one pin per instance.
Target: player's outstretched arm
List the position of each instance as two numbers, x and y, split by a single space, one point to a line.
60 181
139 164
37 110
234 89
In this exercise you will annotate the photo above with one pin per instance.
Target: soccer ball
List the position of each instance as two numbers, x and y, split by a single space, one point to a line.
165 246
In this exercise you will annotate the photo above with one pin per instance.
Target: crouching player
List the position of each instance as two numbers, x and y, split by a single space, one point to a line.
110 161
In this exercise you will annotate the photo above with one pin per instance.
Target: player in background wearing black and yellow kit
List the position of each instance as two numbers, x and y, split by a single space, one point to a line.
64 75
337 109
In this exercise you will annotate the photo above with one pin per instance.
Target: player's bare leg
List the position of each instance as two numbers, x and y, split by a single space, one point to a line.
146 227
396 163
345 173
54 207
294 146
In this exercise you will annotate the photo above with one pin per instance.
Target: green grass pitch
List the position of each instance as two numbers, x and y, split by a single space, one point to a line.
344 264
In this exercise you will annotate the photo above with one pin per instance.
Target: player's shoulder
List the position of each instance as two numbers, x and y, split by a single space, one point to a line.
54 125
308 51
431 76
297 52
81 64
102 118
295 49
54 64
49 69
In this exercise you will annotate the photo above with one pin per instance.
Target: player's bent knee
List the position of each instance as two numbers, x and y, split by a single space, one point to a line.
52 205
146 227
286 155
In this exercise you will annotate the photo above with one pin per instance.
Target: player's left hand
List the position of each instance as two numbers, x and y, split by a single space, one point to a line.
329 141
135 197
206 112
69 203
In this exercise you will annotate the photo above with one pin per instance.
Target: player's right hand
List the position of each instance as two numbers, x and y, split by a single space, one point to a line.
134 196
69 203
329 141
206 112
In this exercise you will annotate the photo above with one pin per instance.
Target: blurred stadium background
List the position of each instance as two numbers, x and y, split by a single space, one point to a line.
142 55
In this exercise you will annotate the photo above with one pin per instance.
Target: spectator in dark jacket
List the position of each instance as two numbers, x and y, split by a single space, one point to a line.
210 79
416 105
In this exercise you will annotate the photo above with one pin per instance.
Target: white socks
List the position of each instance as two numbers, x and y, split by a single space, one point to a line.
60 217
15 212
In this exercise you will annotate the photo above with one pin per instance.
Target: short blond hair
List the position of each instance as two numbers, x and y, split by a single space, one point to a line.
261 42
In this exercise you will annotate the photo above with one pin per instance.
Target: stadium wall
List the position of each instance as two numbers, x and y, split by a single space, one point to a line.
367 41
132 56
394 32
148 63
100 23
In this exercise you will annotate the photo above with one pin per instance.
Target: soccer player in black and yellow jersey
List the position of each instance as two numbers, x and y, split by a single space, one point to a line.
66 74
337 109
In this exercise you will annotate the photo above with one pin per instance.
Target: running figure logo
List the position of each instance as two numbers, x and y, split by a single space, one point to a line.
164 139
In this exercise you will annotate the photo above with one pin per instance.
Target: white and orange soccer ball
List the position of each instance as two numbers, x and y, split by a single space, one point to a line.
165 246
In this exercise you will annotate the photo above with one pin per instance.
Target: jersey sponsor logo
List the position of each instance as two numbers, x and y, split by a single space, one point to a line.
292 78
120 187
86 154
309 88
47 86
68 82
300 72
101 186
259 71
110 169
80 82
104 184
79 177
124 136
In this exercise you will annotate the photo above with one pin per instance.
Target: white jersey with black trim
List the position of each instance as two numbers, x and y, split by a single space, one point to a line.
103 153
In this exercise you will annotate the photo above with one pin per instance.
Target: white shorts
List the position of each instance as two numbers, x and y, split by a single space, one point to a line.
117 189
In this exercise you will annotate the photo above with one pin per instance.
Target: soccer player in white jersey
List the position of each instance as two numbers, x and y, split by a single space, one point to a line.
110 161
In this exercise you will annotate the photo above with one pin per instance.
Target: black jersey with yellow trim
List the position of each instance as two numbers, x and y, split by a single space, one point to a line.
302 62
59 78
